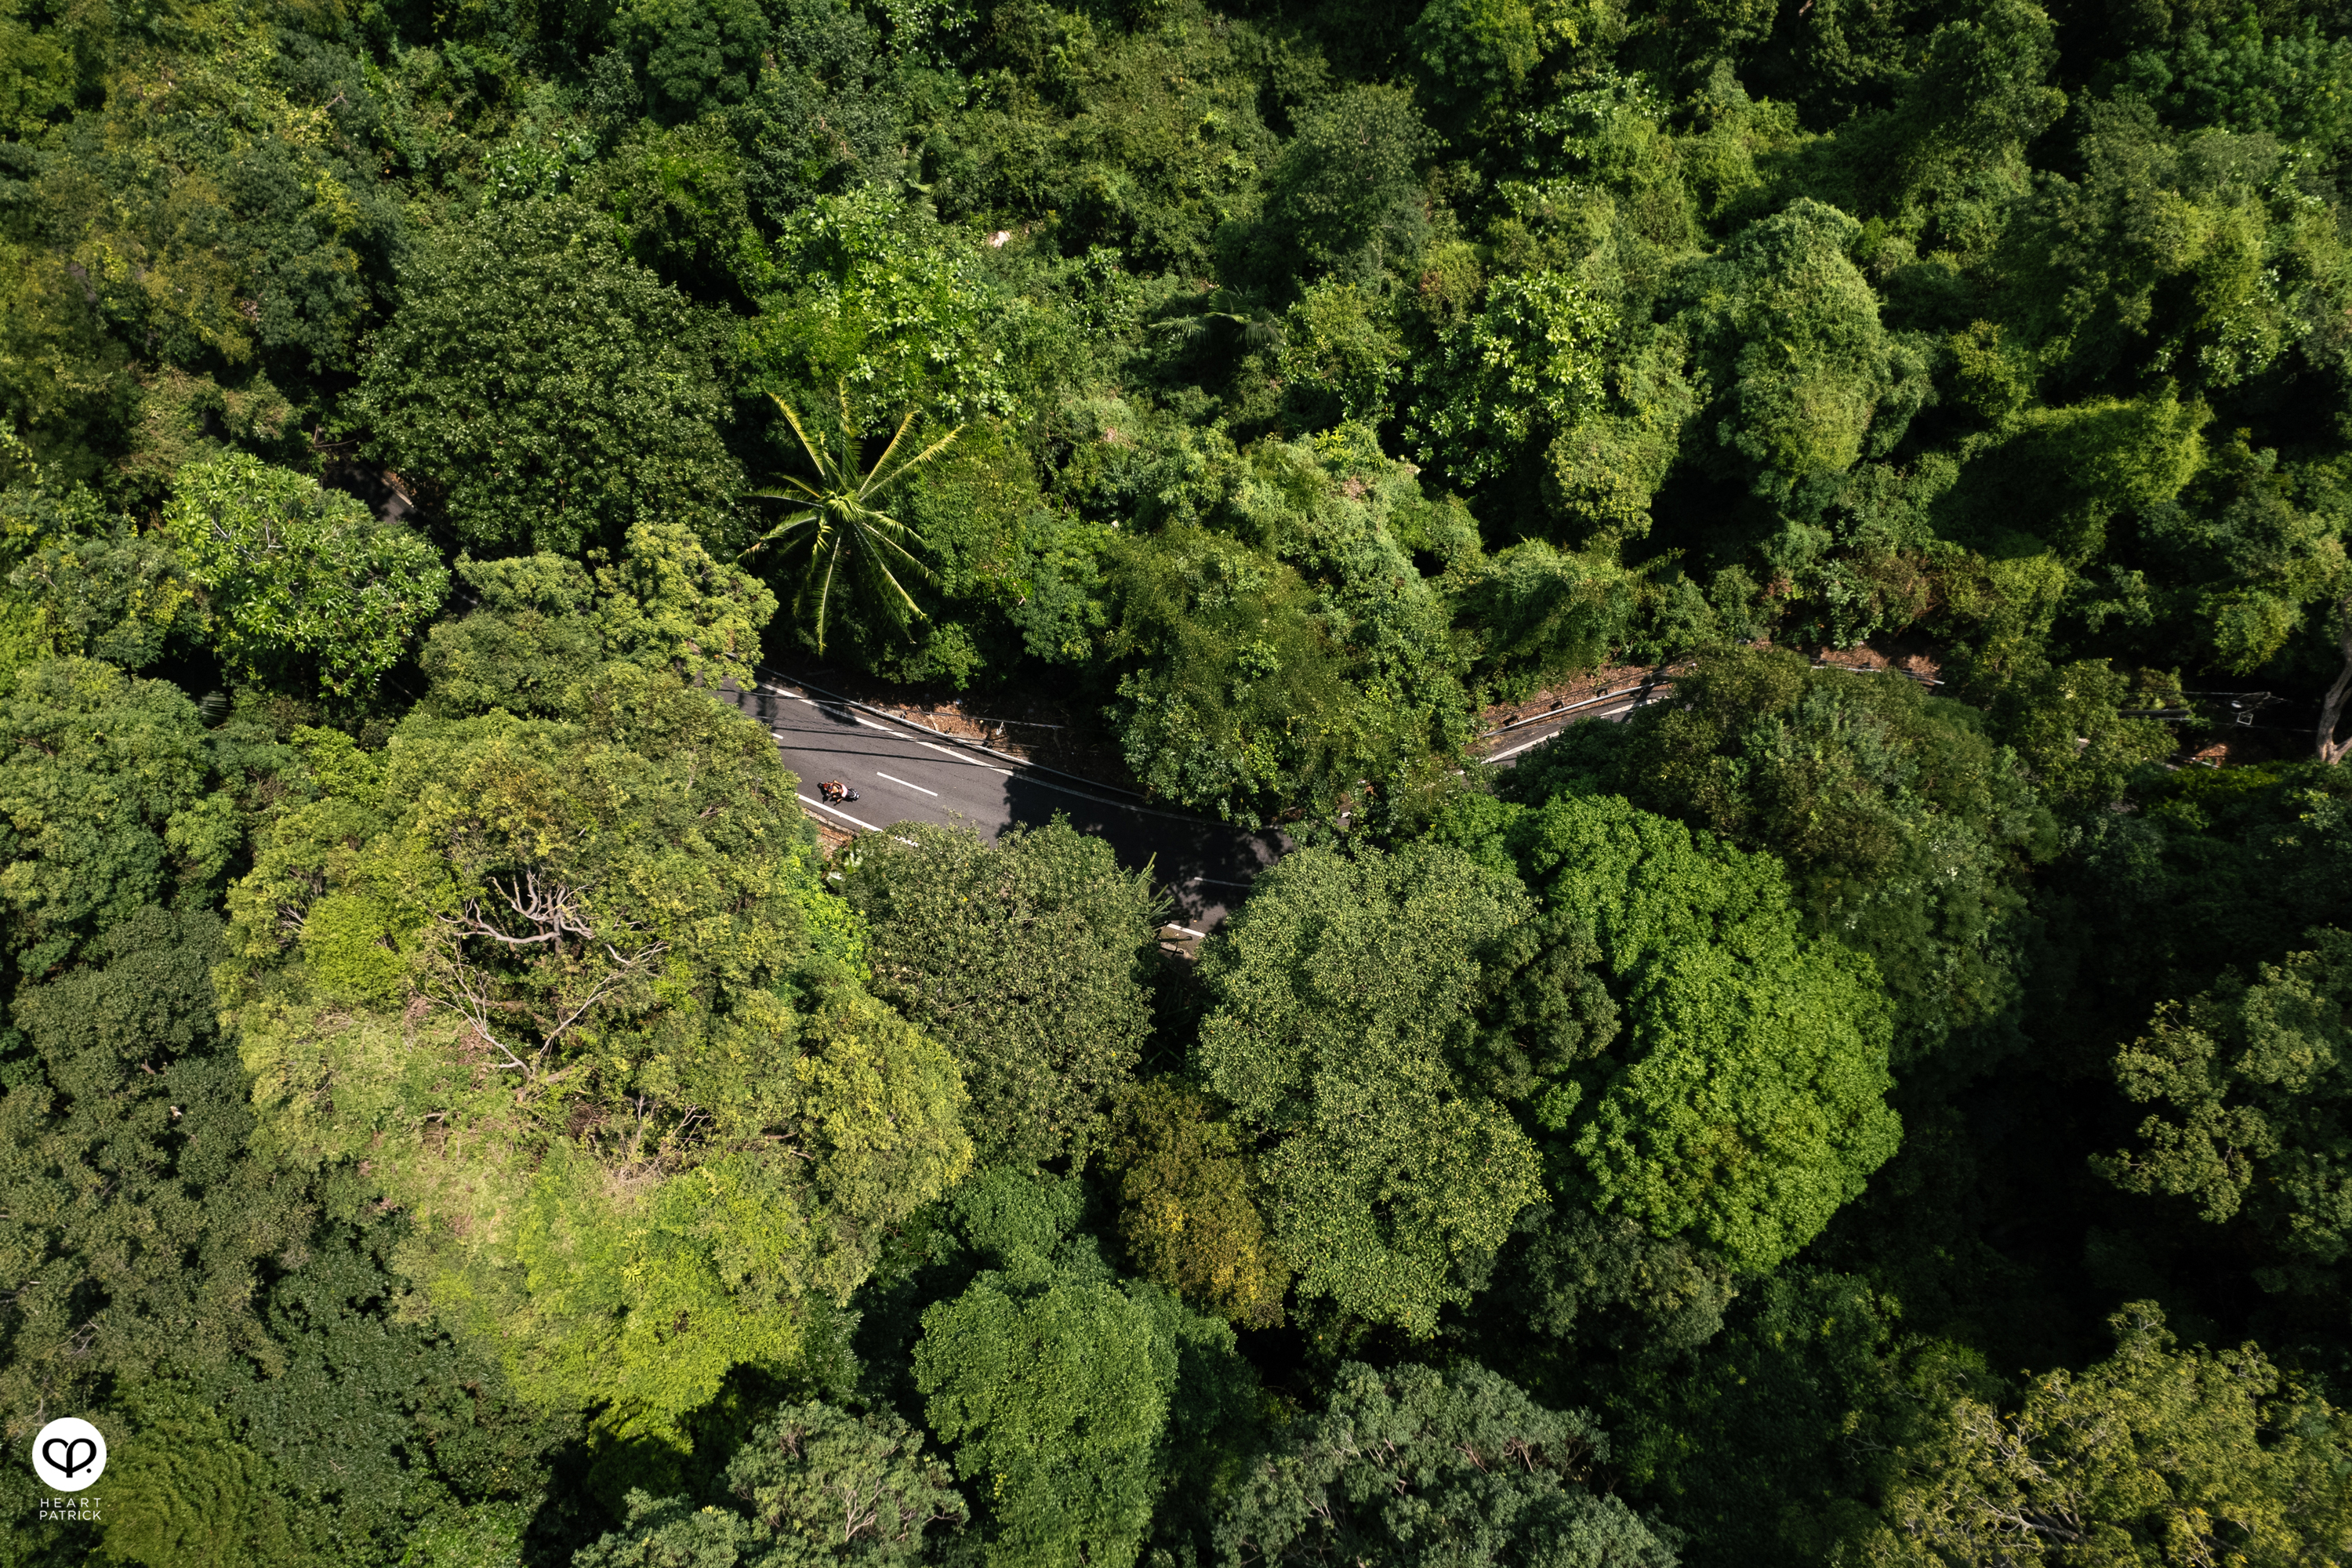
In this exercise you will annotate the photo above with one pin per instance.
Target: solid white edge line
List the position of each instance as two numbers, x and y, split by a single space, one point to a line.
1539 740
959 756
1032 776
1188 931
1515 751
843 814
879 774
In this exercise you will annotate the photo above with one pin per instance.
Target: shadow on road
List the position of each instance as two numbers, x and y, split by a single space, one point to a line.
1205 867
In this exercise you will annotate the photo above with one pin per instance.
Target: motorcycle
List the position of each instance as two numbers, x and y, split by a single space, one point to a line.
836 793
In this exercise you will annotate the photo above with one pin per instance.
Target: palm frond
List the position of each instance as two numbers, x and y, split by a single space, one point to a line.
874 487
794 421
836 522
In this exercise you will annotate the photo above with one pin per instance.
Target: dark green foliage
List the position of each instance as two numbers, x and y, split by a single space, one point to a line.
547 390
1810 1386
1575 1290
1756 1074
1026 960
2219 868
543 628
1412 1467
135 1223
825 120
697 55
1906 830
811 1484
1344 198
84 582
1052 1402
1786 332
862 300
2248 1081
2288 84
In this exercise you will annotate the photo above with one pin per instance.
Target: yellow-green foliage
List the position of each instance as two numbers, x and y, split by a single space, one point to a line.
1190 1220
636 1135
2154 1455
2063 474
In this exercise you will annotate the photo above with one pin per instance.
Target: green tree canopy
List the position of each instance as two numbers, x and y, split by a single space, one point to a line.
2153 1455
1191 1201
1079 1404
135 1227
545 390
1906 831
1786 332
1744 1098
1343 1016
2248 1081
860 296
1309 654
1053 1401
1414 1467
83 582
288 574
1345 193
1771 1446
1025 959
113 797
575 989
811 1485
543 627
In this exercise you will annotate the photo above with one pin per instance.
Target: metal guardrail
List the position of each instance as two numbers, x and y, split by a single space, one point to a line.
1508 725
1650 683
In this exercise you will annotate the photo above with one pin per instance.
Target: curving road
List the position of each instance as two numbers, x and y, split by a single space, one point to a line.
904 772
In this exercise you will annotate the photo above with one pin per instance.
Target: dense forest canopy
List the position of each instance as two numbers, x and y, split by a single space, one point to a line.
457 1112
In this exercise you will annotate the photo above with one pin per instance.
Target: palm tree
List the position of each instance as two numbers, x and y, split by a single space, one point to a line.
836 520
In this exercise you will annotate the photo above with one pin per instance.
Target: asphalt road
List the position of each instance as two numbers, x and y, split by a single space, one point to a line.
1615 706
903 774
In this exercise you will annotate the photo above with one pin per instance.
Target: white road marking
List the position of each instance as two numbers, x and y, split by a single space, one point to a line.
904 784
959 756
1538 741
843 814
884 727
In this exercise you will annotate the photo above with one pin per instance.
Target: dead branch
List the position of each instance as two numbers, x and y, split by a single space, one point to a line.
2331 709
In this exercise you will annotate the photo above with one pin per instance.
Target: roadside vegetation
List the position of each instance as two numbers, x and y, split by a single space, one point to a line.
455 1113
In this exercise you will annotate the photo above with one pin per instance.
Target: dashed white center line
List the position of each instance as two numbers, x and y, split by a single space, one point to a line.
902 784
